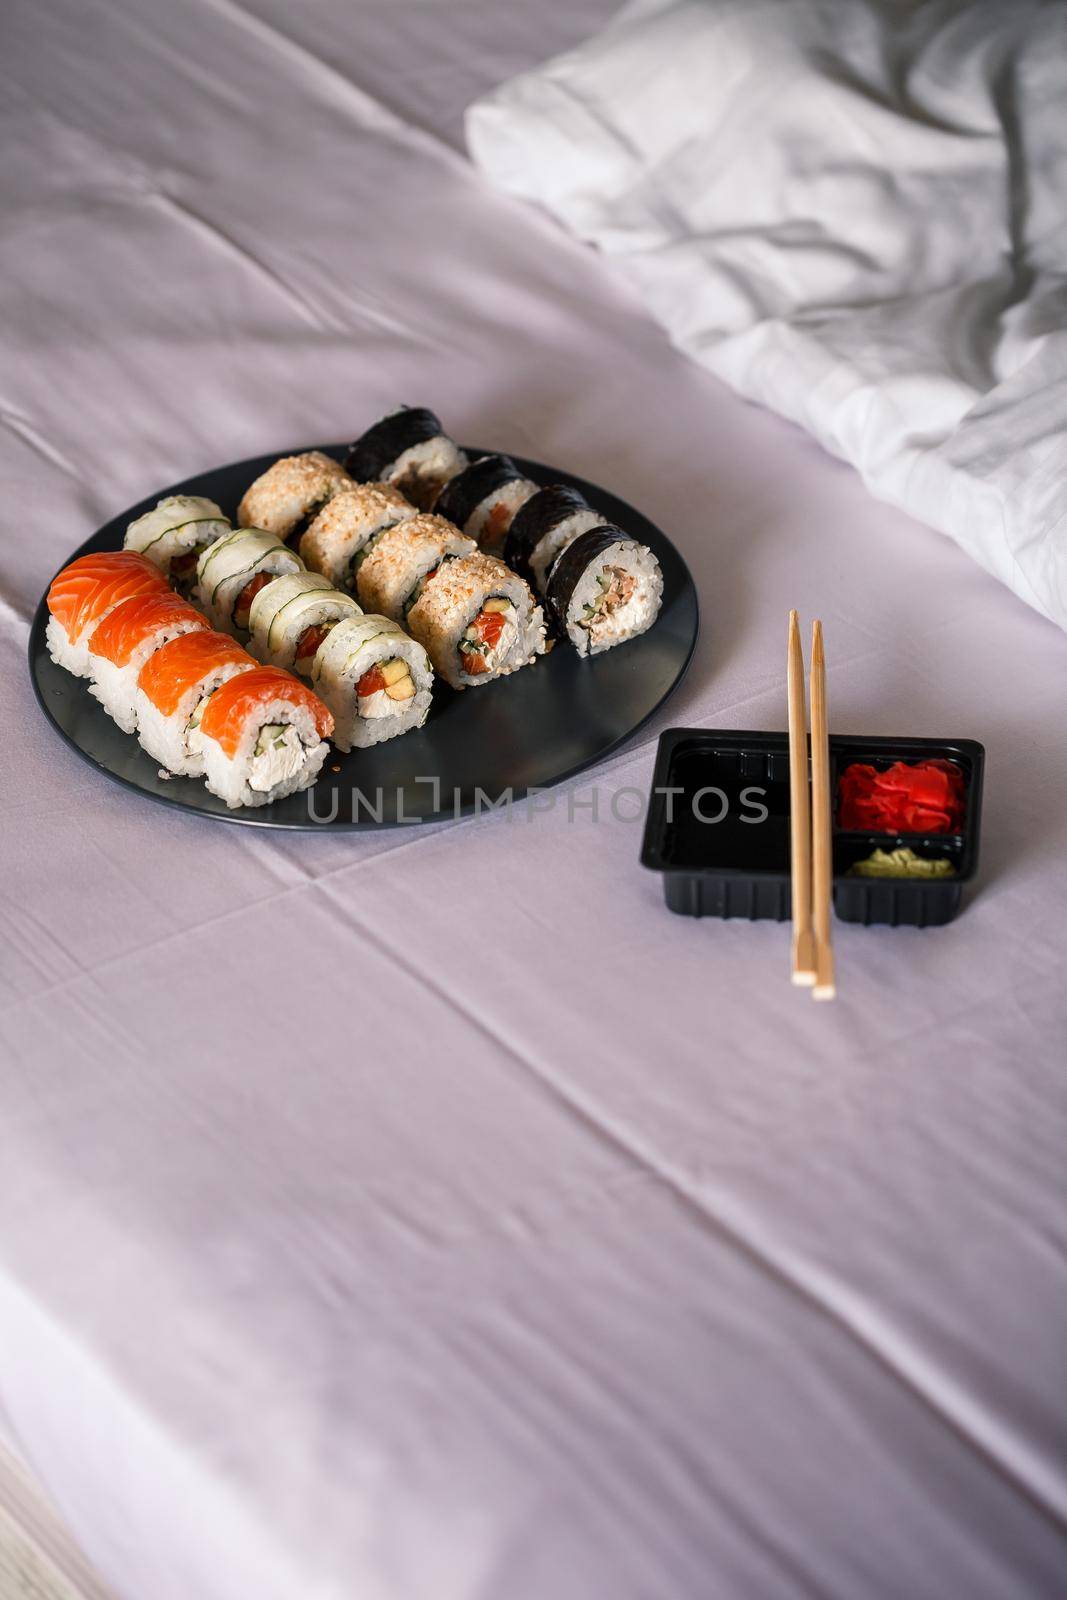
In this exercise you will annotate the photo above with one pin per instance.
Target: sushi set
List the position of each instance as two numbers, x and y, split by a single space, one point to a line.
410 628
762 825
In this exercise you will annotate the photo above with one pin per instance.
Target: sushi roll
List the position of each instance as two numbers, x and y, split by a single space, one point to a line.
173 688
402 562
174 533
232 571
483 499
263 736
545 526
409 449
376 680
82 595
478 621
291 617
122 643
290 494
604 589
345 529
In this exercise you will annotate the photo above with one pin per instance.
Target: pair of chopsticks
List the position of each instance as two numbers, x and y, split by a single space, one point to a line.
811 866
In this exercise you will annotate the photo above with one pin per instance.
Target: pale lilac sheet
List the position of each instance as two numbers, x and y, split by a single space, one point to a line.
342 1255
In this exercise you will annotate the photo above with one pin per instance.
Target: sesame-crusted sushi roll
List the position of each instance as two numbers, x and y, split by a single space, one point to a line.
604 589
403 561
291 617
263 736
342 534
409 449
232 571
173 688
377 681
173 534
483 499
124 640
544 527
85 592
478 621
291 493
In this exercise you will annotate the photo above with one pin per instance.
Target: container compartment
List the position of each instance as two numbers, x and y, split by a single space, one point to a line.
718 828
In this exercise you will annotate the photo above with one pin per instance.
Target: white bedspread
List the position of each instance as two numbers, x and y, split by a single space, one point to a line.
854 213
433 1216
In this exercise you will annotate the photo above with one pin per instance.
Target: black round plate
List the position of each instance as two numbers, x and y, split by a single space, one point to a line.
478 748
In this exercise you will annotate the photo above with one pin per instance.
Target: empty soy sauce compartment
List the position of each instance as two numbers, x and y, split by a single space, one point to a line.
718 828
884 753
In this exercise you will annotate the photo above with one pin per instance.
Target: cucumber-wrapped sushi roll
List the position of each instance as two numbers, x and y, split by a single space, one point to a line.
483 499
173 534
291 617
342 534
82 595
403 560
409 449
232 571
263 736
288 496
173 688
478 621
543 527
376 680
123 642
604 589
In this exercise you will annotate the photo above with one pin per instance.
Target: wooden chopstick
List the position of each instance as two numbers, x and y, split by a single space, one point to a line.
799 815
822 879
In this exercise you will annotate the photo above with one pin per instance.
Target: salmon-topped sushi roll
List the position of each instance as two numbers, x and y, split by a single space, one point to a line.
123 642
83 594
263 736
173 688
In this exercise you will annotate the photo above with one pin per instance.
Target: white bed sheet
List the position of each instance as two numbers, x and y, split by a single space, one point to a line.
328 1265
852 212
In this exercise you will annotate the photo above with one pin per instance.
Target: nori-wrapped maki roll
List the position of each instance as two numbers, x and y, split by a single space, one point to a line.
604 589
543 527
409 449
484 498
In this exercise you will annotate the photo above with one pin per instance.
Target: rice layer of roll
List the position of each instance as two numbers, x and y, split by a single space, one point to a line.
82 595
483 500
231 572
478 621
124 640
543 528
291 617
291 493
173 688
604 589
402 561
346 527
409 449
173 534
263 736
376 680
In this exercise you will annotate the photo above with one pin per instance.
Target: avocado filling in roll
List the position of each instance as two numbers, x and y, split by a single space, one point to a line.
616 589
384 687
488 638
279 754
243 604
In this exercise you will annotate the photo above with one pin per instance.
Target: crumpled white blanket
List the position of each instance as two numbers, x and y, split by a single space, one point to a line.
854 212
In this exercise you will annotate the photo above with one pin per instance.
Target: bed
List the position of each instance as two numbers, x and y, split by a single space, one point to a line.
335 1262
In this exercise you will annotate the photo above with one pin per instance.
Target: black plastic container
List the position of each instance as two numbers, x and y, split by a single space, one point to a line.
718 828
